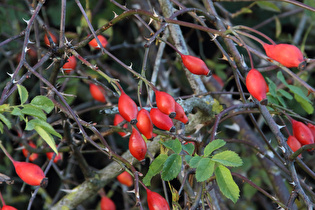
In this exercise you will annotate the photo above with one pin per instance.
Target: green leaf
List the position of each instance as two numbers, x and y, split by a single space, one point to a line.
171 167
47 138
268 6
188 158
43 103
189 147
226 183
1 127
17 112
282 101
4 108
228 158
194 162
272 87
305 104
155 167
278 27
298 91
285 94
214 145
44 125
174 145
281 78
5 121
205 169
34 111
23 93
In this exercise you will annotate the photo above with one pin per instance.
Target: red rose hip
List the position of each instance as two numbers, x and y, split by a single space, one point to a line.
145 124
156 201
137 146
161 120
286 54
257 86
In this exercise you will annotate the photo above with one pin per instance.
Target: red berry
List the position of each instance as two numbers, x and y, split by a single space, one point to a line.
256 85
302 133
137 146
6 207
33 156
125 178
30 173
97 92
180 114
107 204
127 108
294 144
58 157
156 201
286 54
195 65
93 42
53 37
70 64
118 119
312 128
145 124
161 120
165 103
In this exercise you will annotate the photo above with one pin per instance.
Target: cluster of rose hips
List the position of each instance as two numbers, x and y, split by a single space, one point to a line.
288 55
302 135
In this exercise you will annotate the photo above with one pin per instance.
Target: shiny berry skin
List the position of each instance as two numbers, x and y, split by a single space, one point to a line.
33 156
256 85
70 64
165 103
117 120
145 124
294 144
156 201
93 42
195 65
127 108
125 178
6 207
97 92
180 114
312 128
58 157
107 204
302 133
286 54
161 120
137 146
53 37
30 173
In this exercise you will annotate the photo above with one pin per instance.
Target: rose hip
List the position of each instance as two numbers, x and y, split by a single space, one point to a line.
161 120
257 86
137 146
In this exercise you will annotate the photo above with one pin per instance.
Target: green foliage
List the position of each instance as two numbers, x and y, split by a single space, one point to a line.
171 167
226 183
36 111
174 145
299 95
155 168
189 148
228 158
206 165
205 169
267 5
